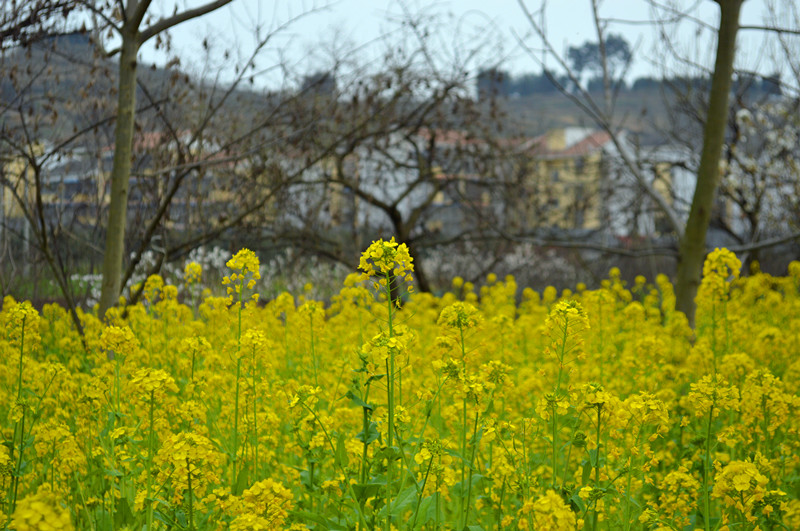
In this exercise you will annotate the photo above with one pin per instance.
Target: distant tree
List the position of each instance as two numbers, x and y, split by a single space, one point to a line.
746 83
771 85
319 83
492 83
687 84
596 85
26 21
590 57
646 83
529 84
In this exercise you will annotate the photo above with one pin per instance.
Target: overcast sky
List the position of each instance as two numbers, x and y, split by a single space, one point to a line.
310 41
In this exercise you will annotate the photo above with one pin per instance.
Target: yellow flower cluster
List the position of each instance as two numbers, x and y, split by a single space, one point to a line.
20 322
382 345
155 383
715 396
387 261
193 273
384 257
720 268
548 512
186 457
460 315
740 485
41 511
118 341
246 271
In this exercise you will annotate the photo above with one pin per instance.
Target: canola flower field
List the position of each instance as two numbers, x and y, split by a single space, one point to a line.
495 409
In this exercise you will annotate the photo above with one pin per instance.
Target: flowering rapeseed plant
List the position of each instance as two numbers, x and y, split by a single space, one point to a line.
489 406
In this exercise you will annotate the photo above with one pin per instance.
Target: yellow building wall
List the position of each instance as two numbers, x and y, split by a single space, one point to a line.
20 175
566 192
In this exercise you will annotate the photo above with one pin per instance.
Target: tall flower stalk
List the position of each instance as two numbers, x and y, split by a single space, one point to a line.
388 263
245 272
565 326
458 318
709 397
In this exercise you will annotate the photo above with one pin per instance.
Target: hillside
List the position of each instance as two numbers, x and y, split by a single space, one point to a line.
644 112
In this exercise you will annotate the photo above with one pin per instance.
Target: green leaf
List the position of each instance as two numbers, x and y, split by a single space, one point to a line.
454 453
374 378
357 400
426 511
593 457
242 482
363 491
578 502
305 479
122 514
404 500
113 472
633 501
372 433
390 453
587 472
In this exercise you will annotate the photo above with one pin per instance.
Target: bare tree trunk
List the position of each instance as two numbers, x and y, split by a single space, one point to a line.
419 272
693 243
120 172
132 39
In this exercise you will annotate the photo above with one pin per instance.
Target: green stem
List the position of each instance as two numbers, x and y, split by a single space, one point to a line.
560 356
189 484
471 466
361 516
627 523
365 431
554 444
255 418
390 400
463 448
421 492
12 492
150 463
597 467
17 472
706 472
569 455
235 433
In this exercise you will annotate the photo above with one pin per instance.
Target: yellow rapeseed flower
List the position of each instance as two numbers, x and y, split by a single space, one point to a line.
548 512
383 258
707 394
246 270
119 341
720 267
21 323
460 316
740 485
40 511
193 273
